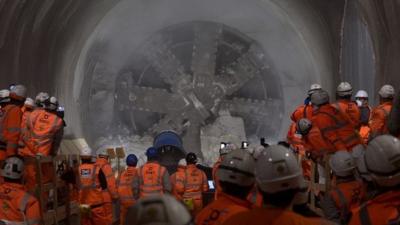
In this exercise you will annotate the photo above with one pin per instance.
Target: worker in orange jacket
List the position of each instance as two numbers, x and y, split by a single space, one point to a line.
110 194
303 111
10 127
126 195
380 114
333 125
316 145
92 182
345 105
365 114
279 179
41 138
236 177
178 179
17 205
382 161
224 149
195 183
347 193
27 109
153 178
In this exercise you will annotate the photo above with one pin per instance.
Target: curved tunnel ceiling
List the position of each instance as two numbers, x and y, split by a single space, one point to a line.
248 61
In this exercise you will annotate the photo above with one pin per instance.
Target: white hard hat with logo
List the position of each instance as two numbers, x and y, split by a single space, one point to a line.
344 89
382 159
18 92
237 167
13 168
277 170
4 96
386 91
342 163
158 210
313 88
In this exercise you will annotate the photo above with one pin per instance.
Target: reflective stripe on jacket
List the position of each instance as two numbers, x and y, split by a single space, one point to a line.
90 191
18 206
379 118
10 128
125 186
42 127
151 179
350 110
382 210
336 128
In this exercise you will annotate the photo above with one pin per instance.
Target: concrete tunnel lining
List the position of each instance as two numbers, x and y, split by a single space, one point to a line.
296 45
42 50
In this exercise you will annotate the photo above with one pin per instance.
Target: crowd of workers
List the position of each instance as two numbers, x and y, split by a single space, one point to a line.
344 145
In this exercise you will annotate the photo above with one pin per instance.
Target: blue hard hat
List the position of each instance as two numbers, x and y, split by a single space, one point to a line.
131 160
151 152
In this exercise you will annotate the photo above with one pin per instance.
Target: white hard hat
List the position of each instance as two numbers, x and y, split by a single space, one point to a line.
277 170
227 148
358 153
304 126
386 91
313 88
382 159
4 96
86 152
344 89
29 102
102 152
18 92
361 94
13 168
51 103
320 97
237 167
342 163
41 98
158 210
182 163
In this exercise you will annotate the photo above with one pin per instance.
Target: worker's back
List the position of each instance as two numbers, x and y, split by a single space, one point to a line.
18 206
151 179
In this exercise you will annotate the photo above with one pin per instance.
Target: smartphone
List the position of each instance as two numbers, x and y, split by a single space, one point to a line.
245 144
223 145
211 184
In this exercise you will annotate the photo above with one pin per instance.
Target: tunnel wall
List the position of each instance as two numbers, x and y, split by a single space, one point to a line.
41 41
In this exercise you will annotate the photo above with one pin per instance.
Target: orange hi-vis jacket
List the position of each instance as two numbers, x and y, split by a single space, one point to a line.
177 181
364 133
303 111
194 184
350 109
18 206
382 210
126 195
336 128
218 188
90 191
379 118
111 192
347 196
10 130
272 216
26 112
151 177
317 144
42 128
220 210
295 139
